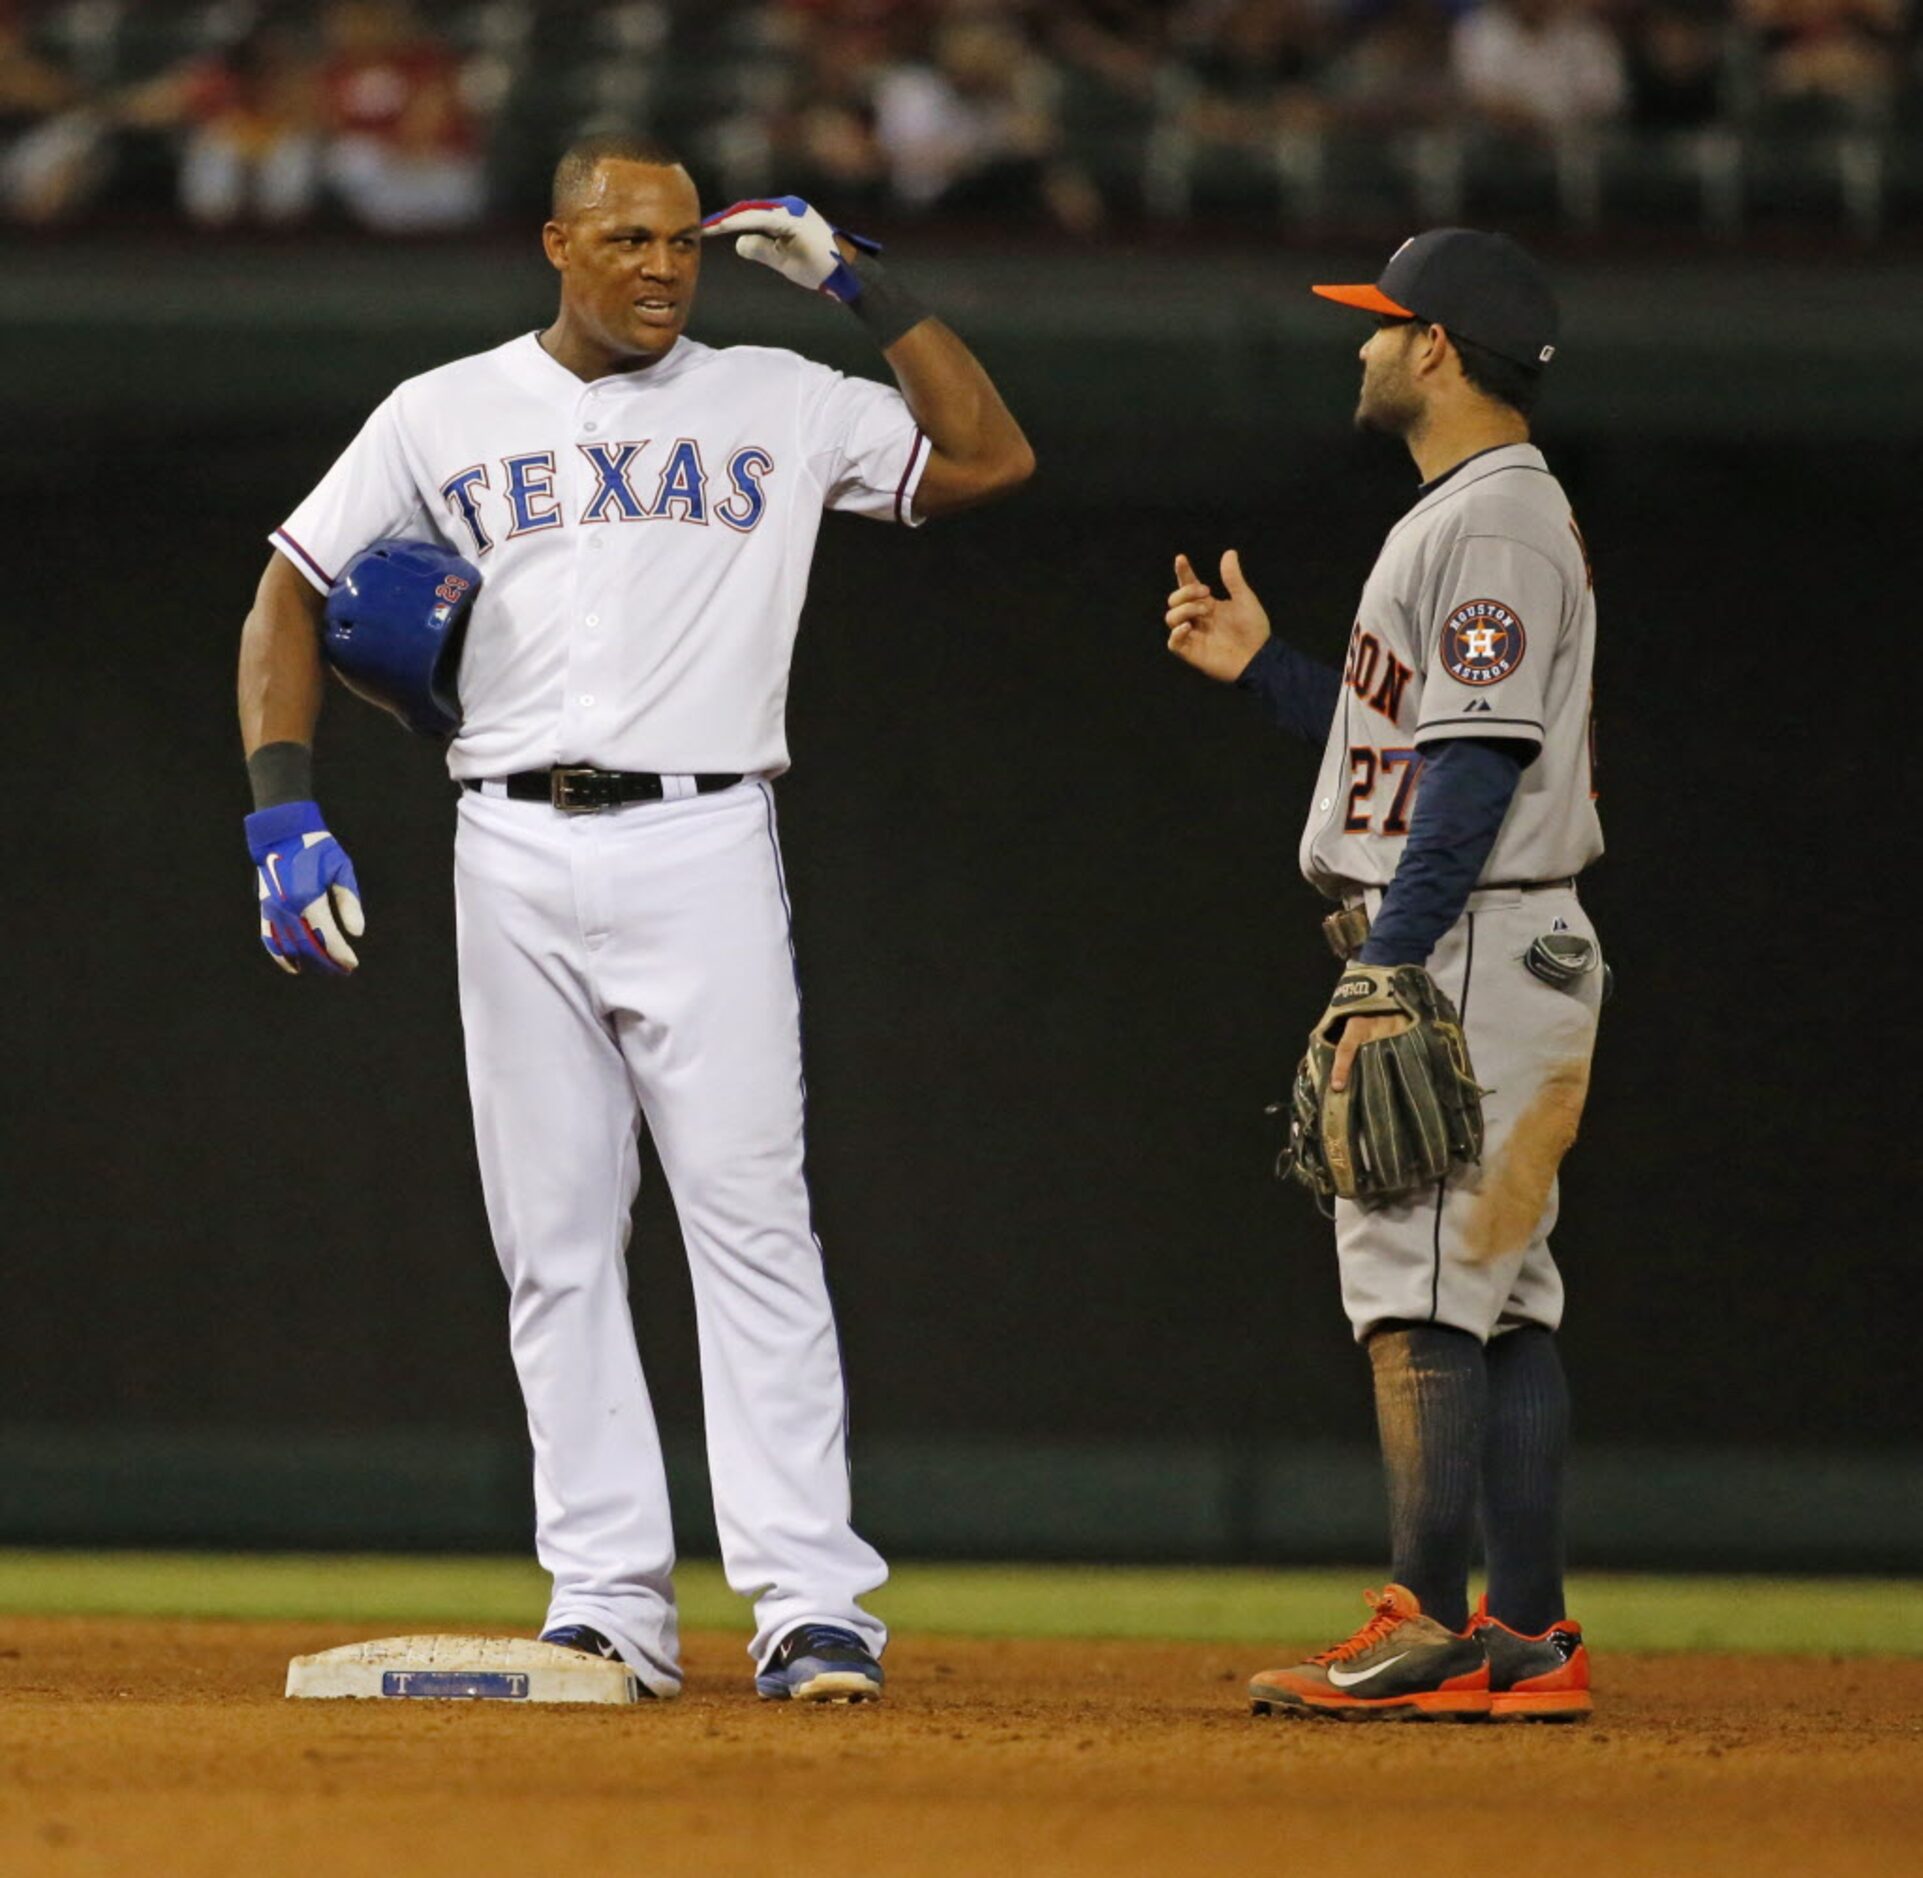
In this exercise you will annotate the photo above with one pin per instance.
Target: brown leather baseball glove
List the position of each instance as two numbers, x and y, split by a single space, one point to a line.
1412 1110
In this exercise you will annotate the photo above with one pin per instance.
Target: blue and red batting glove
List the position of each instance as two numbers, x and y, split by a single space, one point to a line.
797 241
310 902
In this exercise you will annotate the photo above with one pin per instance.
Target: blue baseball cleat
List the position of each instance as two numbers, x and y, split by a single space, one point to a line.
580 1637
590 1642
820 1663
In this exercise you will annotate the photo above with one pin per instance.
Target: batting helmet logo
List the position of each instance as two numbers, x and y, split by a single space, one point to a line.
1482 643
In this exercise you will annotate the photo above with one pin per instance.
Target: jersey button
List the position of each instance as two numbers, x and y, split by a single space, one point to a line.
587 700
593 619
590 425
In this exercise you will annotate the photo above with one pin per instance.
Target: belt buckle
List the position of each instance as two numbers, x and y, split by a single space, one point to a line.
571 791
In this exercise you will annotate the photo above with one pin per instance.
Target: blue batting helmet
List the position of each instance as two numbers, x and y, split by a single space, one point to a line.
396 617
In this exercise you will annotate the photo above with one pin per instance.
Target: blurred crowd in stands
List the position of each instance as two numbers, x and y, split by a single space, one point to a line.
408 118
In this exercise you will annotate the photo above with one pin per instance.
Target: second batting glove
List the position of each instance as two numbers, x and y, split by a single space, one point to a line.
310 902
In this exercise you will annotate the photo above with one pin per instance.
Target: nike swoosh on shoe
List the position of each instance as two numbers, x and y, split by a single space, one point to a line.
1343 1679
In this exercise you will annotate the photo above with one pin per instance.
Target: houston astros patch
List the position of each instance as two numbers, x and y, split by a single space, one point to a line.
1482 643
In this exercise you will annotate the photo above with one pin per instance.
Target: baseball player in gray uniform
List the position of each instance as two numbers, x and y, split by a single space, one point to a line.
1453 811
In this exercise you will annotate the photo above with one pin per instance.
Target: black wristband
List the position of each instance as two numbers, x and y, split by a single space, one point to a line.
281 772
885 307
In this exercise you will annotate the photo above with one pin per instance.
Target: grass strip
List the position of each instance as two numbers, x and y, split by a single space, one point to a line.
1178 1605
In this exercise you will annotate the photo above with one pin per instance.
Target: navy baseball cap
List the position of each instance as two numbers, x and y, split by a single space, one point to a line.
1481 287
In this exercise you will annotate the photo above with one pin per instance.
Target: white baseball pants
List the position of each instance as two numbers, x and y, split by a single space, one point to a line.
634 965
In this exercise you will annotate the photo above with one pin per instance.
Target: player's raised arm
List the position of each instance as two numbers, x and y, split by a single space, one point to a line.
976 449
309 899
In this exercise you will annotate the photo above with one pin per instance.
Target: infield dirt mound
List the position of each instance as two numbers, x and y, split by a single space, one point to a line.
165 1748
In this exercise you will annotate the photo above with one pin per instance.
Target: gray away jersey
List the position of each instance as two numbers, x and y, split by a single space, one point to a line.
1478 620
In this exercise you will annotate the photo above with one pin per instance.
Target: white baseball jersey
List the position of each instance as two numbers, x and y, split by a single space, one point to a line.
645 540
1477 620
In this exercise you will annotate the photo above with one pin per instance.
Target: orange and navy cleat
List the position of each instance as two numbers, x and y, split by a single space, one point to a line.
1400 1666
1542 1678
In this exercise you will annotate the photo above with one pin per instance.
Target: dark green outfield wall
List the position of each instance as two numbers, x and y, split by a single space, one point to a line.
1113 343
1054 953
1299 1500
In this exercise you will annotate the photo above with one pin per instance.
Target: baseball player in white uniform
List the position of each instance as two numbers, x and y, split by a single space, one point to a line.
1452 814
643 511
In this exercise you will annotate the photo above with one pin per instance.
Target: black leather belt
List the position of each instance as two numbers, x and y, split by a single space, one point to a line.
581 791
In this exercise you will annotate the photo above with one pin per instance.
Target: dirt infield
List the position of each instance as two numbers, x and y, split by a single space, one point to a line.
163 1748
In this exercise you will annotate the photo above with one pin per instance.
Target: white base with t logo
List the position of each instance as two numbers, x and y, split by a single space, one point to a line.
460 1669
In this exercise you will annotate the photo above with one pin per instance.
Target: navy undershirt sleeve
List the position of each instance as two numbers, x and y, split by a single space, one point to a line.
1300 692
1466 788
